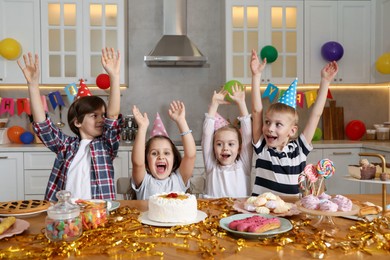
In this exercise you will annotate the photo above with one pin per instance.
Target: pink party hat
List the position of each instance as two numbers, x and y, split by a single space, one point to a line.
219 122
83 90
158 127
289 97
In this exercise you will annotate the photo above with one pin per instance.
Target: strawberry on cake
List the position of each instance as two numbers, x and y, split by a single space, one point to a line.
172 207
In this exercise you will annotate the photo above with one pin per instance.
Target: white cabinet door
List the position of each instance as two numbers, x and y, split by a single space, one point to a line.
314 156
73 35
341 159
121 166
254 24
11 175
346 22
19 19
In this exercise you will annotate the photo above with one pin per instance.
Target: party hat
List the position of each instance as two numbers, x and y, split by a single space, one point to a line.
83 90
219 122
158 127
289 97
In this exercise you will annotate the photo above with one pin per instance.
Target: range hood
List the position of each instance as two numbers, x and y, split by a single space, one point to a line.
175 48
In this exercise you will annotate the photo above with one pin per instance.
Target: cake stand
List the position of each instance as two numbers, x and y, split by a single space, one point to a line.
325 220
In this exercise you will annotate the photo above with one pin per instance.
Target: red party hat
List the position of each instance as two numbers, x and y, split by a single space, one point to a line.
219 122
158 127
83 90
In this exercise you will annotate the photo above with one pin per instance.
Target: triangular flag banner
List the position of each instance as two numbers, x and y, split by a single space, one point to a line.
329 94
311 97
289 97
23 105
83 90
71 92
158 127
44 103
219 122
300 96
56 99
271 91
7 105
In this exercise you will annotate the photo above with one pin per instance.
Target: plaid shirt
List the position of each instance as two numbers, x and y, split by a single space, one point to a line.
103 151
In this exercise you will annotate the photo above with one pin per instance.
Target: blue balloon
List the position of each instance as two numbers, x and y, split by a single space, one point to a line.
27 138
332 51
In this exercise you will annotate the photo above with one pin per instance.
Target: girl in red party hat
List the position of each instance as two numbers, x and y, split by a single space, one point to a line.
157 164
84 163
227 150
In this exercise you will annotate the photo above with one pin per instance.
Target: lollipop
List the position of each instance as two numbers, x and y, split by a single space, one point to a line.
311 177
325 168
302 181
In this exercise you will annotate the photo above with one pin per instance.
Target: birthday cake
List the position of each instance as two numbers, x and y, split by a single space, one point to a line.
172 207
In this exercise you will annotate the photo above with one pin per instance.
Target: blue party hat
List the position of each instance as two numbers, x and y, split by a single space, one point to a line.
289 97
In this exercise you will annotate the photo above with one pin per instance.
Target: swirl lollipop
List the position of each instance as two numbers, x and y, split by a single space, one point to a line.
325 169
302 181
311 176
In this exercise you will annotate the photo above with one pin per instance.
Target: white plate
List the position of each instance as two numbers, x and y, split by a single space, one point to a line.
145 220
18 227
24 215
285 225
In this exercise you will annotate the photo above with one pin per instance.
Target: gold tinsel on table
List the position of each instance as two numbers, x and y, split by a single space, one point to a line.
125 237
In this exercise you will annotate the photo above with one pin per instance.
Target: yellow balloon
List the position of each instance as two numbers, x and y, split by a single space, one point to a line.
383 63
10 49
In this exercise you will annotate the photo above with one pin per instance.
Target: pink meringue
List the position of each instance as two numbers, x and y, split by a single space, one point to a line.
310 202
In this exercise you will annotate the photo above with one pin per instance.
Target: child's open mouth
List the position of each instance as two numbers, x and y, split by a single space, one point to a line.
271 138
161 167
225 156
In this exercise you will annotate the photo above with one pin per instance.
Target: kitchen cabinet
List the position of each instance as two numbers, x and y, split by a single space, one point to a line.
20 20
382 36
346 22
11 175
73 35
121 167
254 24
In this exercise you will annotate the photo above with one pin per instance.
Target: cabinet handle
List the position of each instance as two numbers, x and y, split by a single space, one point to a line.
342 153
3 157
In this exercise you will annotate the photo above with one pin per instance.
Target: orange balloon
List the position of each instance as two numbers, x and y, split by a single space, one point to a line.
14 133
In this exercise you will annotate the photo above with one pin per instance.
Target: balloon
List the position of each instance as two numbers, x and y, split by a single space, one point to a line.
103 81
10 49
355 130
383 63
270 53
332 51
317 134
228 86
27 137
14 133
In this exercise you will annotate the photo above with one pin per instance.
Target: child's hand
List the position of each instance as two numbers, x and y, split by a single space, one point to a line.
257 67
142 120
329 71
177 111
219 97
238 94
31 71
111 61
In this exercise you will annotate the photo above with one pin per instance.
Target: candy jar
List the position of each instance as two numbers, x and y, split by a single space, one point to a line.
63 221
94 213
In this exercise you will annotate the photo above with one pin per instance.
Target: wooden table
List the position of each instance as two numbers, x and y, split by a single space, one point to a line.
253 251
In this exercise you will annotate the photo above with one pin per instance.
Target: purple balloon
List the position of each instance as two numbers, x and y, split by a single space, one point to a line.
332 51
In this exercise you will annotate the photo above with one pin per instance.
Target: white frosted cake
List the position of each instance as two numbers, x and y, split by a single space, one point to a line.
172 207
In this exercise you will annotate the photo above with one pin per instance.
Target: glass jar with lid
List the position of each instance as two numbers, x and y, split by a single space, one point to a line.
63 221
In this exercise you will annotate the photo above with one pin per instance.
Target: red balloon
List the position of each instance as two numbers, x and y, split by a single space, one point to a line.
103 81
355 130
14 133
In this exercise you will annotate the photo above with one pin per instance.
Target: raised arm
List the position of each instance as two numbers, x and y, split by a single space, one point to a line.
238 96
31 73
111 62
257 68
217 99
138 152
177 113
327 74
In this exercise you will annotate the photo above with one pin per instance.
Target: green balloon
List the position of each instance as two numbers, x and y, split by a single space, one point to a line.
228 86
270 53
317 134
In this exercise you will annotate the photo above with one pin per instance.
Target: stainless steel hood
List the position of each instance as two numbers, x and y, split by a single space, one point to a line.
175 48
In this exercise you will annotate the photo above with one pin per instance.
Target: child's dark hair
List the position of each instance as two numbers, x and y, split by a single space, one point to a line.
82 106
235 129
176 153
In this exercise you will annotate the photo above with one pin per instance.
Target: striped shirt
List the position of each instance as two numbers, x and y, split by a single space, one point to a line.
103 151
278 171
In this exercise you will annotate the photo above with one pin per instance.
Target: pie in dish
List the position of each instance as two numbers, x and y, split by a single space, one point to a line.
23 206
